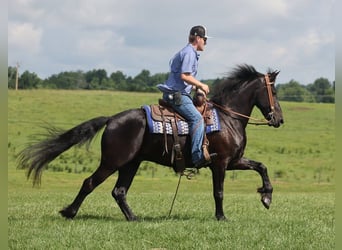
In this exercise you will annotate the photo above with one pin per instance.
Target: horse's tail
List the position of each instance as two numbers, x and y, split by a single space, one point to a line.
35 157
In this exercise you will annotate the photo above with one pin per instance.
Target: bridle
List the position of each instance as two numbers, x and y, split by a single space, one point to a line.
270 95
269 92
257 121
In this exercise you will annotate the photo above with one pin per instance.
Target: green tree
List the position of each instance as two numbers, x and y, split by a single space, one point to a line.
11 77
119 80
29 80
323 90
95 78
293 91
140 81
146 82
66 80
101 74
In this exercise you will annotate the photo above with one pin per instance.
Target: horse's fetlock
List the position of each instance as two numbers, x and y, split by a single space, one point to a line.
119 193
265 190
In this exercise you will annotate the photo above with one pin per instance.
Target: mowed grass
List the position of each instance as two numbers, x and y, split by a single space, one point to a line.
296 220
299 156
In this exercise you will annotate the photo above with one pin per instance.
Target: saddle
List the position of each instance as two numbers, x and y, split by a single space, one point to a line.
164 113
163 110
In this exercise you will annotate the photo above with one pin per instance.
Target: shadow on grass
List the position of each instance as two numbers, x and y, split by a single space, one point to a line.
84 217
140 219
184 217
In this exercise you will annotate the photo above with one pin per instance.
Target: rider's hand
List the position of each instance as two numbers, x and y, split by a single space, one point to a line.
204 88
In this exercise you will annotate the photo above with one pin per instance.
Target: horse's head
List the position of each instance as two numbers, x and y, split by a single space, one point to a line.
245 88
267 102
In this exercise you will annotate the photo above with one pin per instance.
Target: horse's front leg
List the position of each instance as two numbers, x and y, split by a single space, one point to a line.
218 175
266 189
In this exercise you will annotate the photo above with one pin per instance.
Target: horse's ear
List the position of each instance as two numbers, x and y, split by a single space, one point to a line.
273 75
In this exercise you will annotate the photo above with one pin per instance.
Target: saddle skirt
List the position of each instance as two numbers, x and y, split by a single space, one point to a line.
159 118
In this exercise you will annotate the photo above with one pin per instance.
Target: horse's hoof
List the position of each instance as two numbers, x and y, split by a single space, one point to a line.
221 217
266 201
134 218
67 213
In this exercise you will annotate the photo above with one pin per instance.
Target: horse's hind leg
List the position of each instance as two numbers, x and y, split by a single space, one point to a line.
125 178
266 189
88 186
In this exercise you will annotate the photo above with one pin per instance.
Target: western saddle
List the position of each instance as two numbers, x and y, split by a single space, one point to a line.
164 113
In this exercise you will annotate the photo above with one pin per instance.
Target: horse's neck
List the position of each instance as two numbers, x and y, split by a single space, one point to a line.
241 102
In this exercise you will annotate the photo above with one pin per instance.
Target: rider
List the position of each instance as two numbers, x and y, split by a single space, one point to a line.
177 89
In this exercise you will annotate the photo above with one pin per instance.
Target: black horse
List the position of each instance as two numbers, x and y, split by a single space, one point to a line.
126 141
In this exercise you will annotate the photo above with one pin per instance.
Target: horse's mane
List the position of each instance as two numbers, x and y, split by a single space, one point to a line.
240 75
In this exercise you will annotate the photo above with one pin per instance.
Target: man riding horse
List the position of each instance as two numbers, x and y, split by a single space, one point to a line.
177 89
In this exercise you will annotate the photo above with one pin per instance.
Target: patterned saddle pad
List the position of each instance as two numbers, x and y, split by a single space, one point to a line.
156 127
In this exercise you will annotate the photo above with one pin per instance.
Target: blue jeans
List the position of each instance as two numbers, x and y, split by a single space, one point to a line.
195 121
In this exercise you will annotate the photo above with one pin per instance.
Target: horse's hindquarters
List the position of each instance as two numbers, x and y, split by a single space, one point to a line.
123 137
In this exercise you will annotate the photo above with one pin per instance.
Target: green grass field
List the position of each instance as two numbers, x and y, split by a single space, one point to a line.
299 156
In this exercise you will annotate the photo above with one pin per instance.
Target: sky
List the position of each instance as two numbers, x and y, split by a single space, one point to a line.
293 36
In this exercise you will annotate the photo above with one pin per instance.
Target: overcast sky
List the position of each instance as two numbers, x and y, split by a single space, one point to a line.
293 36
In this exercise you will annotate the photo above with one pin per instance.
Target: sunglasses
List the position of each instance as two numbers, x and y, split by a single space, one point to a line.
204 39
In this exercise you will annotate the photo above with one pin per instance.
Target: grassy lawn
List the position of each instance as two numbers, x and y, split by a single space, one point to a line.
296 219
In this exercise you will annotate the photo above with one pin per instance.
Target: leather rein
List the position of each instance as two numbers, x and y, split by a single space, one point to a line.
256 120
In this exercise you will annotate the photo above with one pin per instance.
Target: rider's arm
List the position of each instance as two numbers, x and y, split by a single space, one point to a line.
188 78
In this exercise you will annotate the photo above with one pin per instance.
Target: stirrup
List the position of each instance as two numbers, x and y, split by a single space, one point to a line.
204 162
189 173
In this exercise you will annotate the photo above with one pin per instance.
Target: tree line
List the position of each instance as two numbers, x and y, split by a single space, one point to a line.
321 90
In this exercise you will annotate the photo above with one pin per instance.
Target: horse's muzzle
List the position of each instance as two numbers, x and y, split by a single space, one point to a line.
274 121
